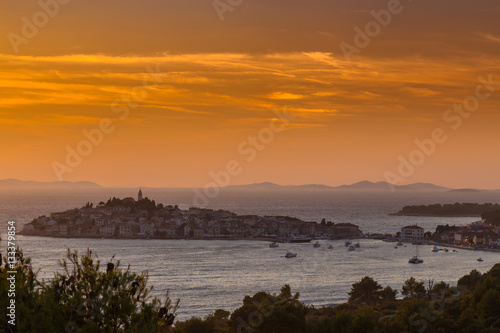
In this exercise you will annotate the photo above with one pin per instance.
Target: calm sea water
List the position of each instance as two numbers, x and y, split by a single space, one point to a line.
207 275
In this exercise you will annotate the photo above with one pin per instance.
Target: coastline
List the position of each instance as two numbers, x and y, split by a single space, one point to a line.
455 246
435 215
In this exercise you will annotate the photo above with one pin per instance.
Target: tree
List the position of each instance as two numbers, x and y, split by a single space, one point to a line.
388 294
266 313
365 320
470 280
85 298
365 291
490 303
412 288
196 325
442 288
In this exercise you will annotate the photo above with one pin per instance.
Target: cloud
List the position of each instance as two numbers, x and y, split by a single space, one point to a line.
284 95
490 37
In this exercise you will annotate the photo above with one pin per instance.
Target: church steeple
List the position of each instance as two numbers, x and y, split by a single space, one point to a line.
139 196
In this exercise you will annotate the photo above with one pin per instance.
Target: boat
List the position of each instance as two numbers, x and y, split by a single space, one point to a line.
290 255
330 247
357 245
435 249
300 239
352 248
273 245
415 259
395 247
347 243
317 244
480 259
399 244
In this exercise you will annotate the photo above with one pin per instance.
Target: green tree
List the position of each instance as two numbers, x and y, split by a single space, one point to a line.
266 313
489 305
388 294
84 298
412 288
196 325
365 291
441 288
470 280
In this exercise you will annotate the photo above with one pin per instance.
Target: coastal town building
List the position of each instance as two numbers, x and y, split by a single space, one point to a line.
412 233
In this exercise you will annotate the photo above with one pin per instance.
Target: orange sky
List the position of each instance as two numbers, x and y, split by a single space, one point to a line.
219 82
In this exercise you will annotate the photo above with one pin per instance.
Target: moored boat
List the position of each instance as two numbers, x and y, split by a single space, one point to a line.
415 260
290 255
300 239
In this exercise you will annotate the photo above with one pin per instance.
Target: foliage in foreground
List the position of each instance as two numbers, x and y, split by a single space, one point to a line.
84 298
473 306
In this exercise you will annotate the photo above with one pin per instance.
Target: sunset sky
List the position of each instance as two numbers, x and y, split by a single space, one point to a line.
218 82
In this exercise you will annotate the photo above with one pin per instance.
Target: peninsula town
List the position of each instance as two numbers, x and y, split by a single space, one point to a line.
144 218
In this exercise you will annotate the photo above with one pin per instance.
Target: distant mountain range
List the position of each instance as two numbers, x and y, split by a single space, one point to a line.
360 186
16 183
364 185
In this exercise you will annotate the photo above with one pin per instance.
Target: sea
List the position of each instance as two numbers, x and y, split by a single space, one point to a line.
217 274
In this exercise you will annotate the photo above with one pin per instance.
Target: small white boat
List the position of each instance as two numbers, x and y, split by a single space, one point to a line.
357 245
290 255
399 244
352 248
274 245
317 244
330 247
347 243
435 249
480 259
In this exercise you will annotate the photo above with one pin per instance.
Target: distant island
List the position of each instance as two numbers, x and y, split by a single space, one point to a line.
466 190
363 185
16 183
144 218
457 209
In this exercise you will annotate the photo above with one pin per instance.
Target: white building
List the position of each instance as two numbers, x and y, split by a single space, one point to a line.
125 230
412 232
146 228
108 230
